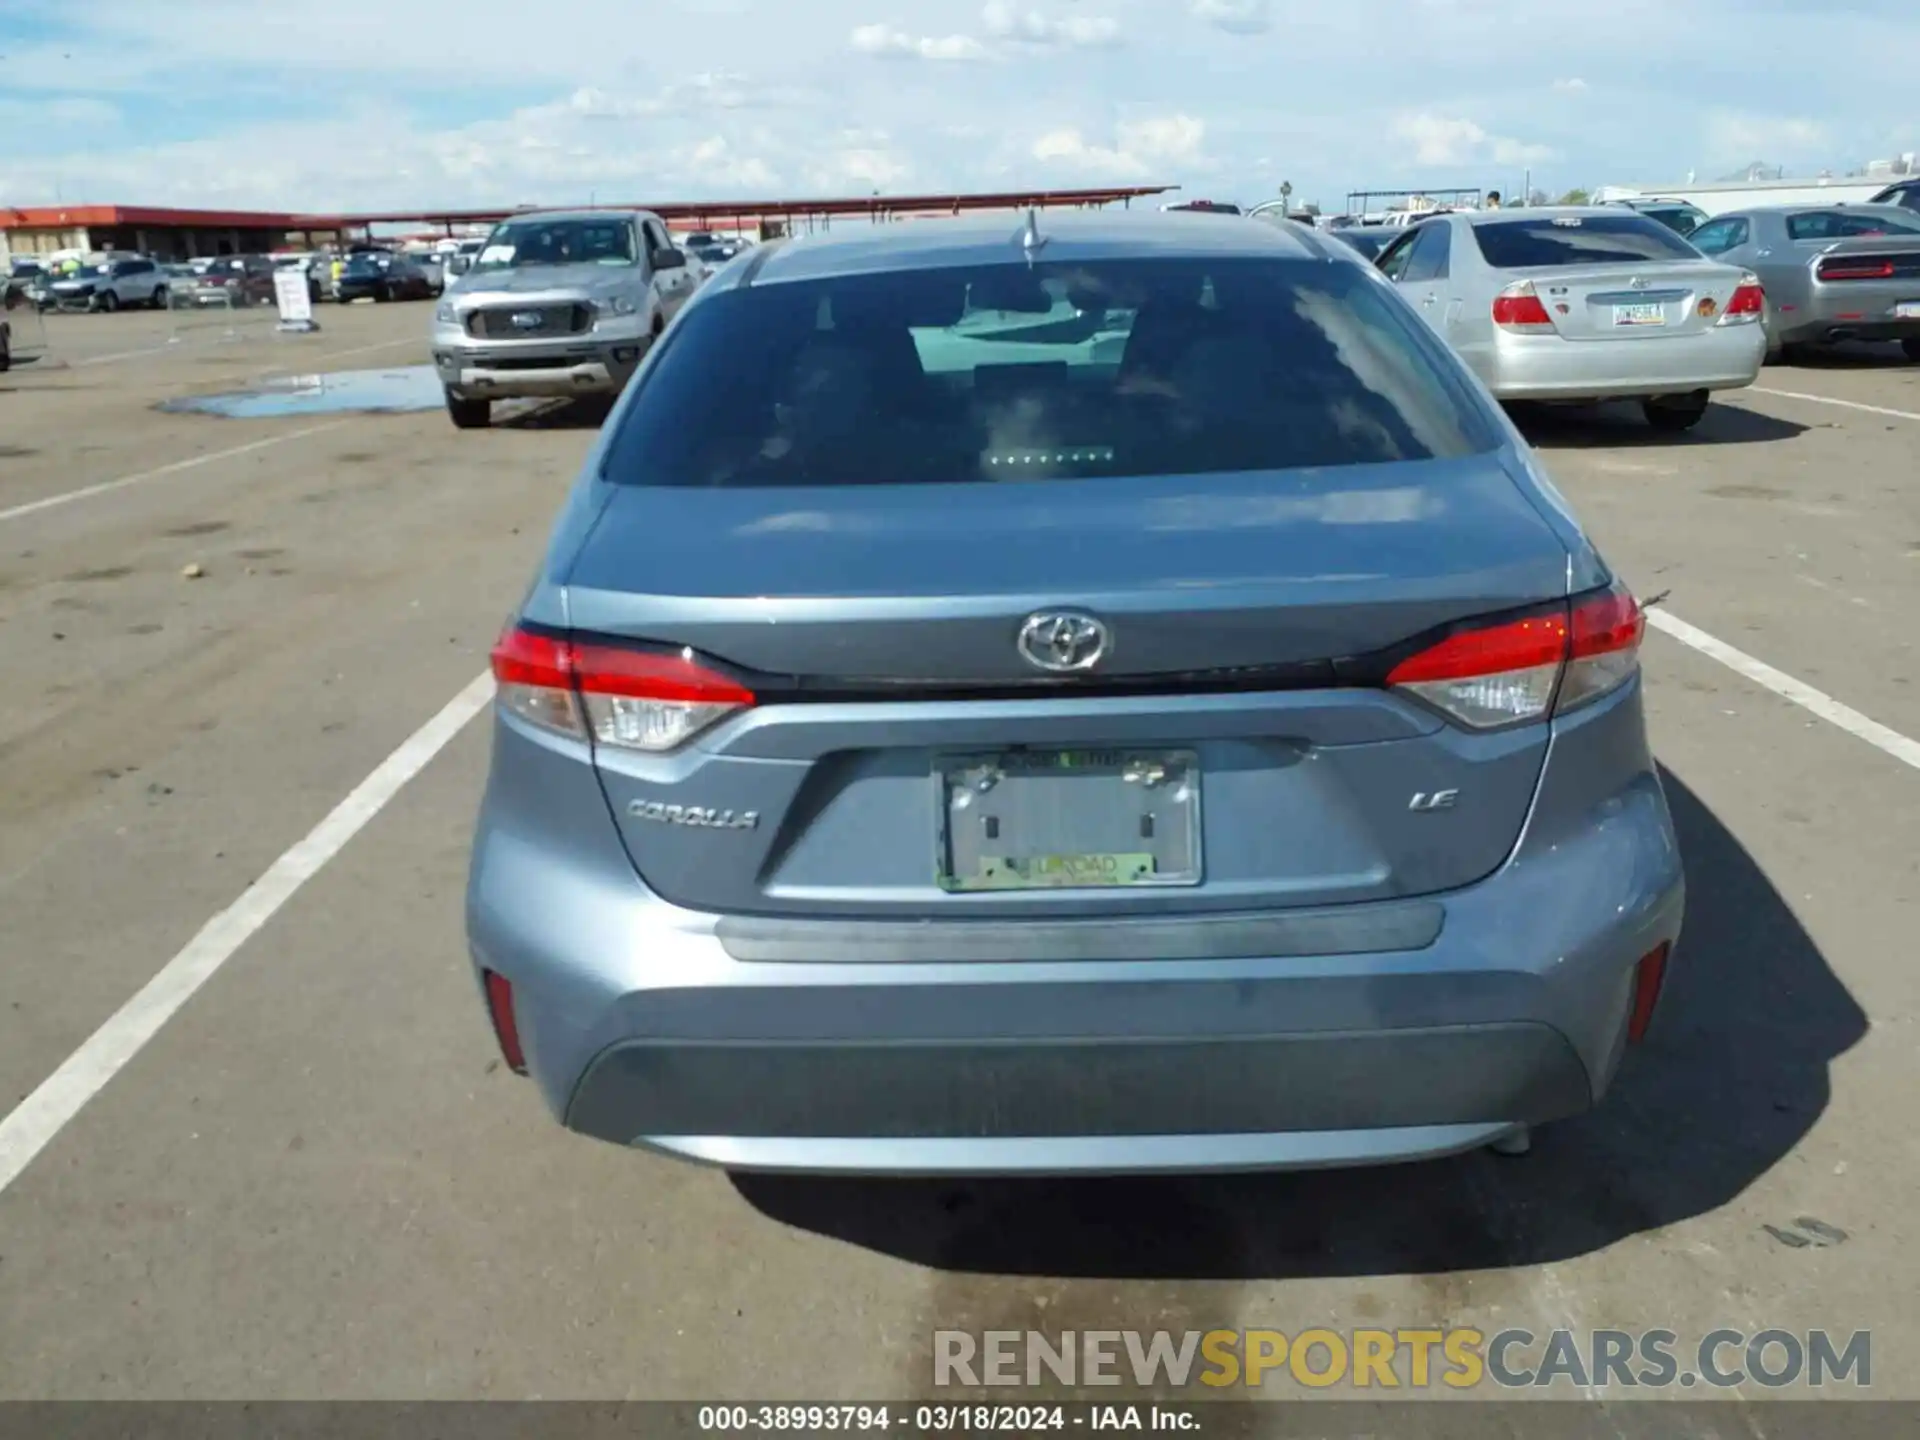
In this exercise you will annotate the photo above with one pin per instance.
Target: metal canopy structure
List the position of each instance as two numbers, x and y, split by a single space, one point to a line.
760 214
1359 202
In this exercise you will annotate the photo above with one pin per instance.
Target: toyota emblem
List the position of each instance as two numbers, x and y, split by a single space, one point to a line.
1064 641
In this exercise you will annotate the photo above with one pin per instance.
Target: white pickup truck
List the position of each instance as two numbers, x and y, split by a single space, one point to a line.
561 302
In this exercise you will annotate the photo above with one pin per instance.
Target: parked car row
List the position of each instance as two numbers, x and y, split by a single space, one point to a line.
1652 301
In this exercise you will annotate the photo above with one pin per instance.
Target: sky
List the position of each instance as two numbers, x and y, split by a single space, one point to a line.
369 104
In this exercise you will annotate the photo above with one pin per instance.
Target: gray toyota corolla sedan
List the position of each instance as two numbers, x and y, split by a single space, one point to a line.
1092 693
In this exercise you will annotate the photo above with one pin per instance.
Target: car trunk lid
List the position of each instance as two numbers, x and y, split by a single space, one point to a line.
902 746
1631 302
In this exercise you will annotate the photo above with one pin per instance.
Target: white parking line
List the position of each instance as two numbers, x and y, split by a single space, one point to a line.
86 360
1892 742
33 1124
34 507
1829 400
163 349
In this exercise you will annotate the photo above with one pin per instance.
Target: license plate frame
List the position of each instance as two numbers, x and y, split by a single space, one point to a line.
1085 818
1640 315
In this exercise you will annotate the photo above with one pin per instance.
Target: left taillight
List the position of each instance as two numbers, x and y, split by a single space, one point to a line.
1748 303
1512 671
630 699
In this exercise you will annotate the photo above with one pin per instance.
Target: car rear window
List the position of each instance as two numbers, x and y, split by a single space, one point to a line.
1578 240
1007 372
1838 225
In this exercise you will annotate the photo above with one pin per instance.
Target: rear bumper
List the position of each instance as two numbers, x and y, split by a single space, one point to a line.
1527 367
644 1025
1860 311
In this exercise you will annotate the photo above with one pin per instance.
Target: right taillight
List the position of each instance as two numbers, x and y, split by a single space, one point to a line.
1518 308
1856 269
631 699
1512 671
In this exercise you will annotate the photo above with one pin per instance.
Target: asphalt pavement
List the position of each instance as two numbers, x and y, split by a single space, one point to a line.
294 1168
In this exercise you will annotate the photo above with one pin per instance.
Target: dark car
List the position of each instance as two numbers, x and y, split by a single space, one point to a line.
1369 240
381 275
1680 216
1112 694
21 273
1904 193
235 280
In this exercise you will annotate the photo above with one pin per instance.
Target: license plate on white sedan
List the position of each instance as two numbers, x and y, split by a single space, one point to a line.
1068 820
1639 315
1907 310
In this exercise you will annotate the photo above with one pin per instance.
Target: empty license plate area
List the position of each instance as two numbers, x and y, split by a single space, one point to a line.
1068 819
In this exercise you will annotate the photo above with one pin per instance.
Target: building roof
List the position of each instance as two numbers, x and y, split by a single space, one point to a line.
47 217
675 212
720 211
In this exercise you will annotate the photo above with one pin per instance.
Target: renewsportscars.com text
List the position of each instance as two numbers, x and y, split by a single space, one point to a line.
1415 1359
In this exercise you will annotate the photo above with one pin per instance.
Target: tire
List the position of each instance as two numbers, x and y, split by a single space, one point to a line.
1910 347
6 353
159 300
107 302
383 295
1671 417
468 413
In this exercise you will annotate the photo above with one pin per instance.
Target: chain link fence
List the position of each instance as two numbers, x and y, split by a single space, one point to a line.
228 299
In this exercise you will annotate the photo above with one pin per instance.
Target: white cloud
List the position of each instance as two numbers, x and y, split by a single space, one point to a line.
1735 136
1447 141
1236 17
67 111
753 97
1004 21
892 44
1159 148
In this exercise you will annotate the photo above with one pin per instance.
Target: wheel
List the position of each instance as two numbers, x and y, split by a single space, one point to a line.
1910 347
107 301
6 352
469 413
383 295
1672 416
159 301
313 293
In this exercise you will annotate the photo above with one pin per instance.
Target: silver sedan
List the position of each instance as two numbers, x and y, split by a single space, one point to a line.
1831 272
1578 304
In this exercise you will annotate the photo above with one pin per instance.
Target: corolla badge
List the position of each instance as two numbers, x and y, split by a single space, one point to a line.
1064 641
698 815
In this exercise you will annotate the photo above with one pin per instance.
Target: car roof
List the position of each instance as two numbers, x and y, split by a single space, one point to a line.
1848 206
936 243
